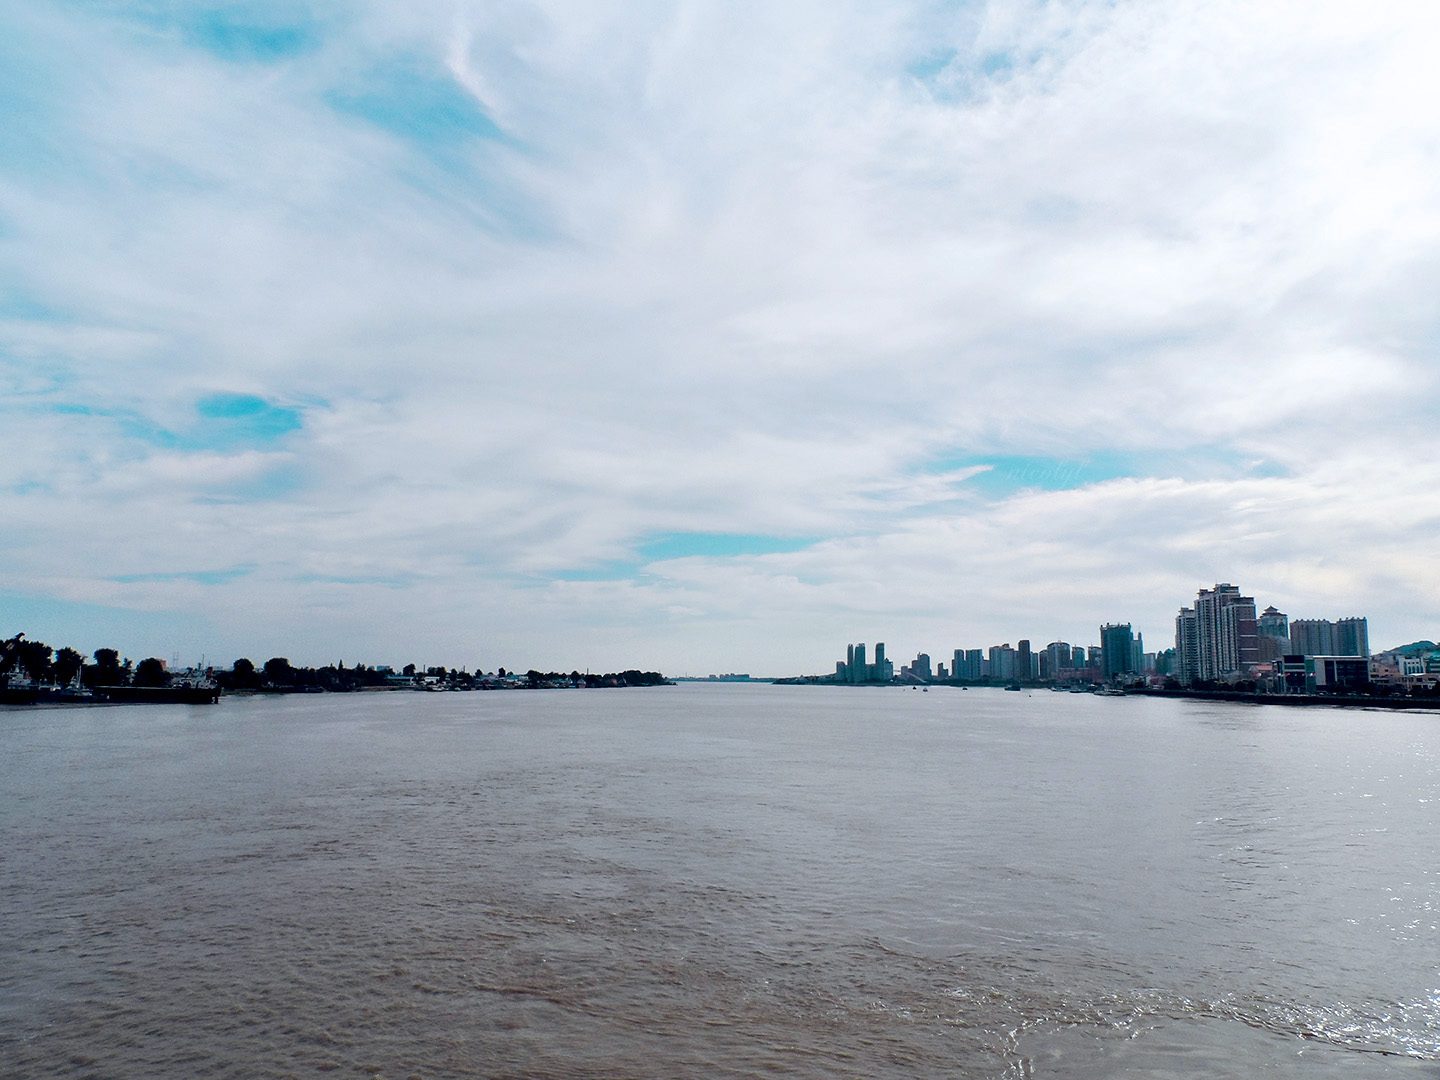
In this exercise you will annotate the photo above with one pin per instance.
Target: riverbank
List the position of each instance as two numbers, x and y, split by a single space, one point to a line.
1296 700
27 697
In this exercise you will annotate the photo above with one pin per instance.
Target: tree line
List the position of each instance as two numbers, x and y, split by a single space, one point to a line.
42 664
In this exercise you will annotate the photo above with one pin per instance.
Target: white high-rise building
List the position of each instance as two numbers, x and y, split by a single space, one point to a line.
1226 633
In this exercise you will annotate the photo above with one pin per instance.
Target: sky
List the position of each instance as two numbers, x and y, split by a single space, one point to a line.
706 337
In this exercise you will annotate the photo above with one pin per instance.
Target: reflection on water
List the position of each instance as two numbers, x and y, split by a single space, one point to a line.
719 881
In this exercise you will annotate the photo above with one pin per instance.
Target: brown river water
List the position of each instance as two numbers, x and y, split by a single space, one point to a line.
719 881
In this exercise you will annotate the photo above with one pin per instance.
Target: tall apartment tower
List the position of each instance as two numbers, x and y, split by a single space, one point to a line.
1059 656
1321 637
1312 637
1187 647
1024 660
1352 637
1226 632
858 673
1117 648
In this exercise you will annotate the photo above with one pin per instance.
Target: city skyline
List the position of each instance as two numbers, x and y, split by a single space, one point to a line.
1218 638
704 337
1347 635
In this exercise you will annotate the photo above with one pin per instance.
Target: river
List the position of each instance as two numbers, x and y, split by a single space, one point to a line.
719 881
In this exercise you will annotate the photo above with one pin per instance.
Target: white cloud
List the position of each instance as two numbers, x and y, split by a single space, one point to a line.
730 269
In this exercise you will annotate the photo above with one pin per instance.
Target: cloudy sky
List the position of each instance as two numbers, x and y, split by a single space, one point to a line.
711 336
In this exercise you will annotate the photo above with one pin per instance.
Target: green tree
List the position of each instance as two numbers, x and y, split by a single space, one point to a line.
105 671
243 675
278 672
68 664
33 658
151 672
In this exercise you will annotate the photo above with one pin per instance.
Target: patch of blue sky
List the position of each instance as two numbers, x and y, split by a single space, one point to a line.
457 154
247 418
931 65
220 422
661 547
15 303
240 32
386 581
88 627
219 32
418 103
34 139
24 384
997 64
610 570
198 577
953 76
1212 463
1009 474
272 485
716 545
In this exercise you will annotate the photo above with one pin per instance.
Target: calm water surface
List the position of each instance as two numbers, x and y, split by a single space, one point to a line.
719 881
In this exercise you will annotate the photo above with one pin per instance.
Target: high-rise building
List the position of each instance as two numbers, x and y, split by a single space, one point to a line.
1321 637
854 669
1312 637
1272 634
1272 623
1024 660
1058 657
1116 650
1137 654
1002 662
1187 647
974 664
921 667
1352 636
1226 633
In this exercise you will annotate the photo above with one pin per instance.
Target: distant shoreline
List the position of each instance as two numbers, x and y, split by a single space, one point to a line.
1233 697
1296 700
11 699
